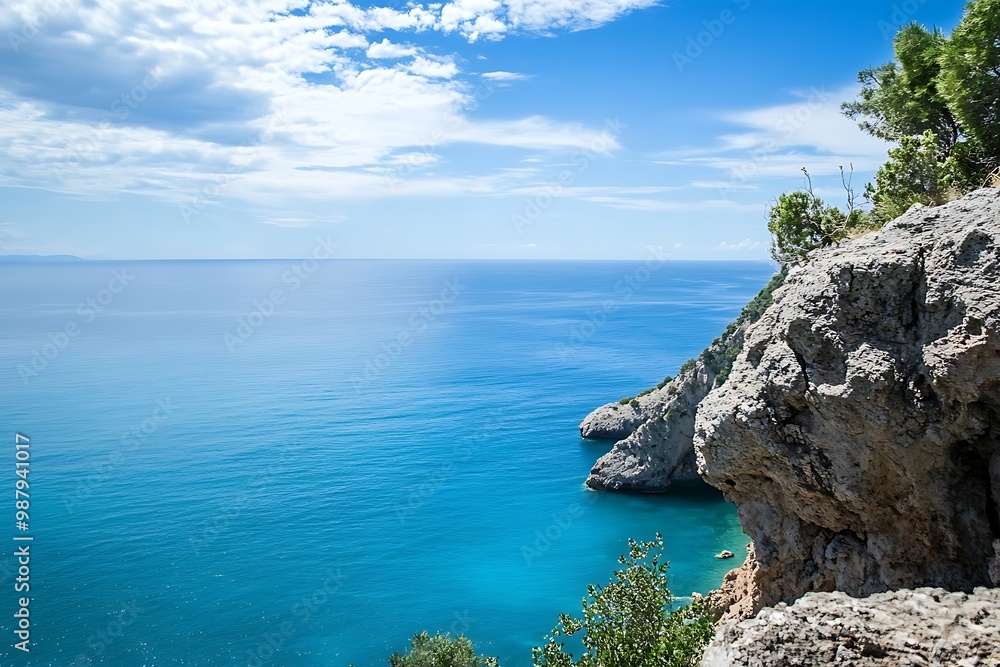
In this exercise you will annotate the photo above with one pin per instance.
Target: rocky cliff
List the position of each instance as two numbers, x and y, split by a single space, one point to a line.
654 431
859 432
655 448
926 626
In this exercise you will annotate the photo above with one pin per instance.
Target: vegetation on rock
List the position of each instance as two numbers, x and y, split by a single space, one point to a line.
441 651
628 622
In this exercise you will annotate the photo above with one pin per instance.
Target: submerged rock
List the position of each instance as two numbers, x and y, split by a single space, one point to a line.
859 432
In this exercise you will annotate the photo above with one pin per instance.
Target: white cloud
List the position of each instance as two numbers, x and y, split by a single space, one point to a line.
744 245
386 49
504 76
300 222
252 101
630 204
473 19
777 141
435 69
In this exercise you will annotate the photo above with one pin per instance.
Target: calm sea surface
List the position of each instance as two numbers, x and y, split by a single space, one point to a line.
288 463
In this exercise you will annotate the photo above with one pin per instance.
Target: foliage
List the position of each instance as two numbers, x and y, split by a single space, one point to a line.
627 622
901 99
625 401
687 366
970 78
667 380
800 222
912 175
441 651
940 100
719 358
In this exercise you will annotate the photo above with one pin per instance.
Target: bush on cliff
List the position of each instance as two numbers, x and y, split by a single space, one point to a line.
440 651
801 222
627 623
719 358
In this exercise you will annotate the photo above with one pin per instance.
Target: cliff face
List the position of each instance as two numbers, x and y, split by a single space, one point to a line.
654 431
859 432
655 448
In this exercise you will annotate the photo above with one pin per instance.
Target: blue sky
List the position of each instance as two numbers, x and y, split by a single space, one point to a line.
555 129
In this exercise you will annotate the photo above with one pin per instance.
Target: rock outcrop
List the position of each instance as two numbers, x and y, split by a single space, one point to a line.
737 598
859 432
926 626
658 450
655 430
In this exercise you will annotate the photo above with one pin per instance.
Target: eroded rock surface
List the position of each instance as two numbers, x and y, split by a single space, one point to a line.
658 451
859 431
924 627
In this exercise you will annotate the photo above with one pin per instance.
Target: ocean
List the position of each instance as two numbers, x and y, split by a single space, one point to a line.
305 462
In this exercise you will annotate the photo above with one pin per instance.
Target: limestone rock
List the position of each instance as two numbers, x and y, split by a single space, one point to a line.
615 421
926 626
859 431
659 449
736 599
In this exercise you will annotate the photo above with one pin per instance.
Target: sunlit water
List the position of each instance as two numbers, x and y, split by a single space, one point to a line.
271 463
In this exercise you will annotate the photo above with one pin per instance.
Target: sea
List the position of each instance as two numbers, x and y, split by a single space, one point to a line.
305 462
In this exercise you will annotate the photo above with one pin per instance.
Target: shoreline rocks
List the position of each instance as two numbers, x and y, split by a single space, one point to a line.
660 450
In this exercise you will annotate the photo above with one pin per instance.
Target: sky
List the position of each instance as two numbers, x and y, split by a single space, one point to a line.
481 129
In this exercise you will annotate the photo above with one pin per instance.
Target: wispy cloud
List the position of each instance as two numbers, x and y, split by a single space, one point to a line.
777 141
263 99
744 245
504 77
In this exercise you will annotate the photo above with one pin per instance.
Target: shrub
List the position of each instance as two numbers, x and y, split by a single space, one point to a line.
625 401
627 623
440 651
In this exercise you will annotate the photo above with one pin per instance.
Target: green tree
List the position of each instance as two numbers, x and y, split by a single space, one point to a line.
440 651
800 222
945 89
901 99
913 174
627 622
970 79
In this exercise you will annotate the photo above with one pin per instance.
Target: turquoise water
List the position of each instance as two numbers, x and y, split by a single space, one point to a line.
278 463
